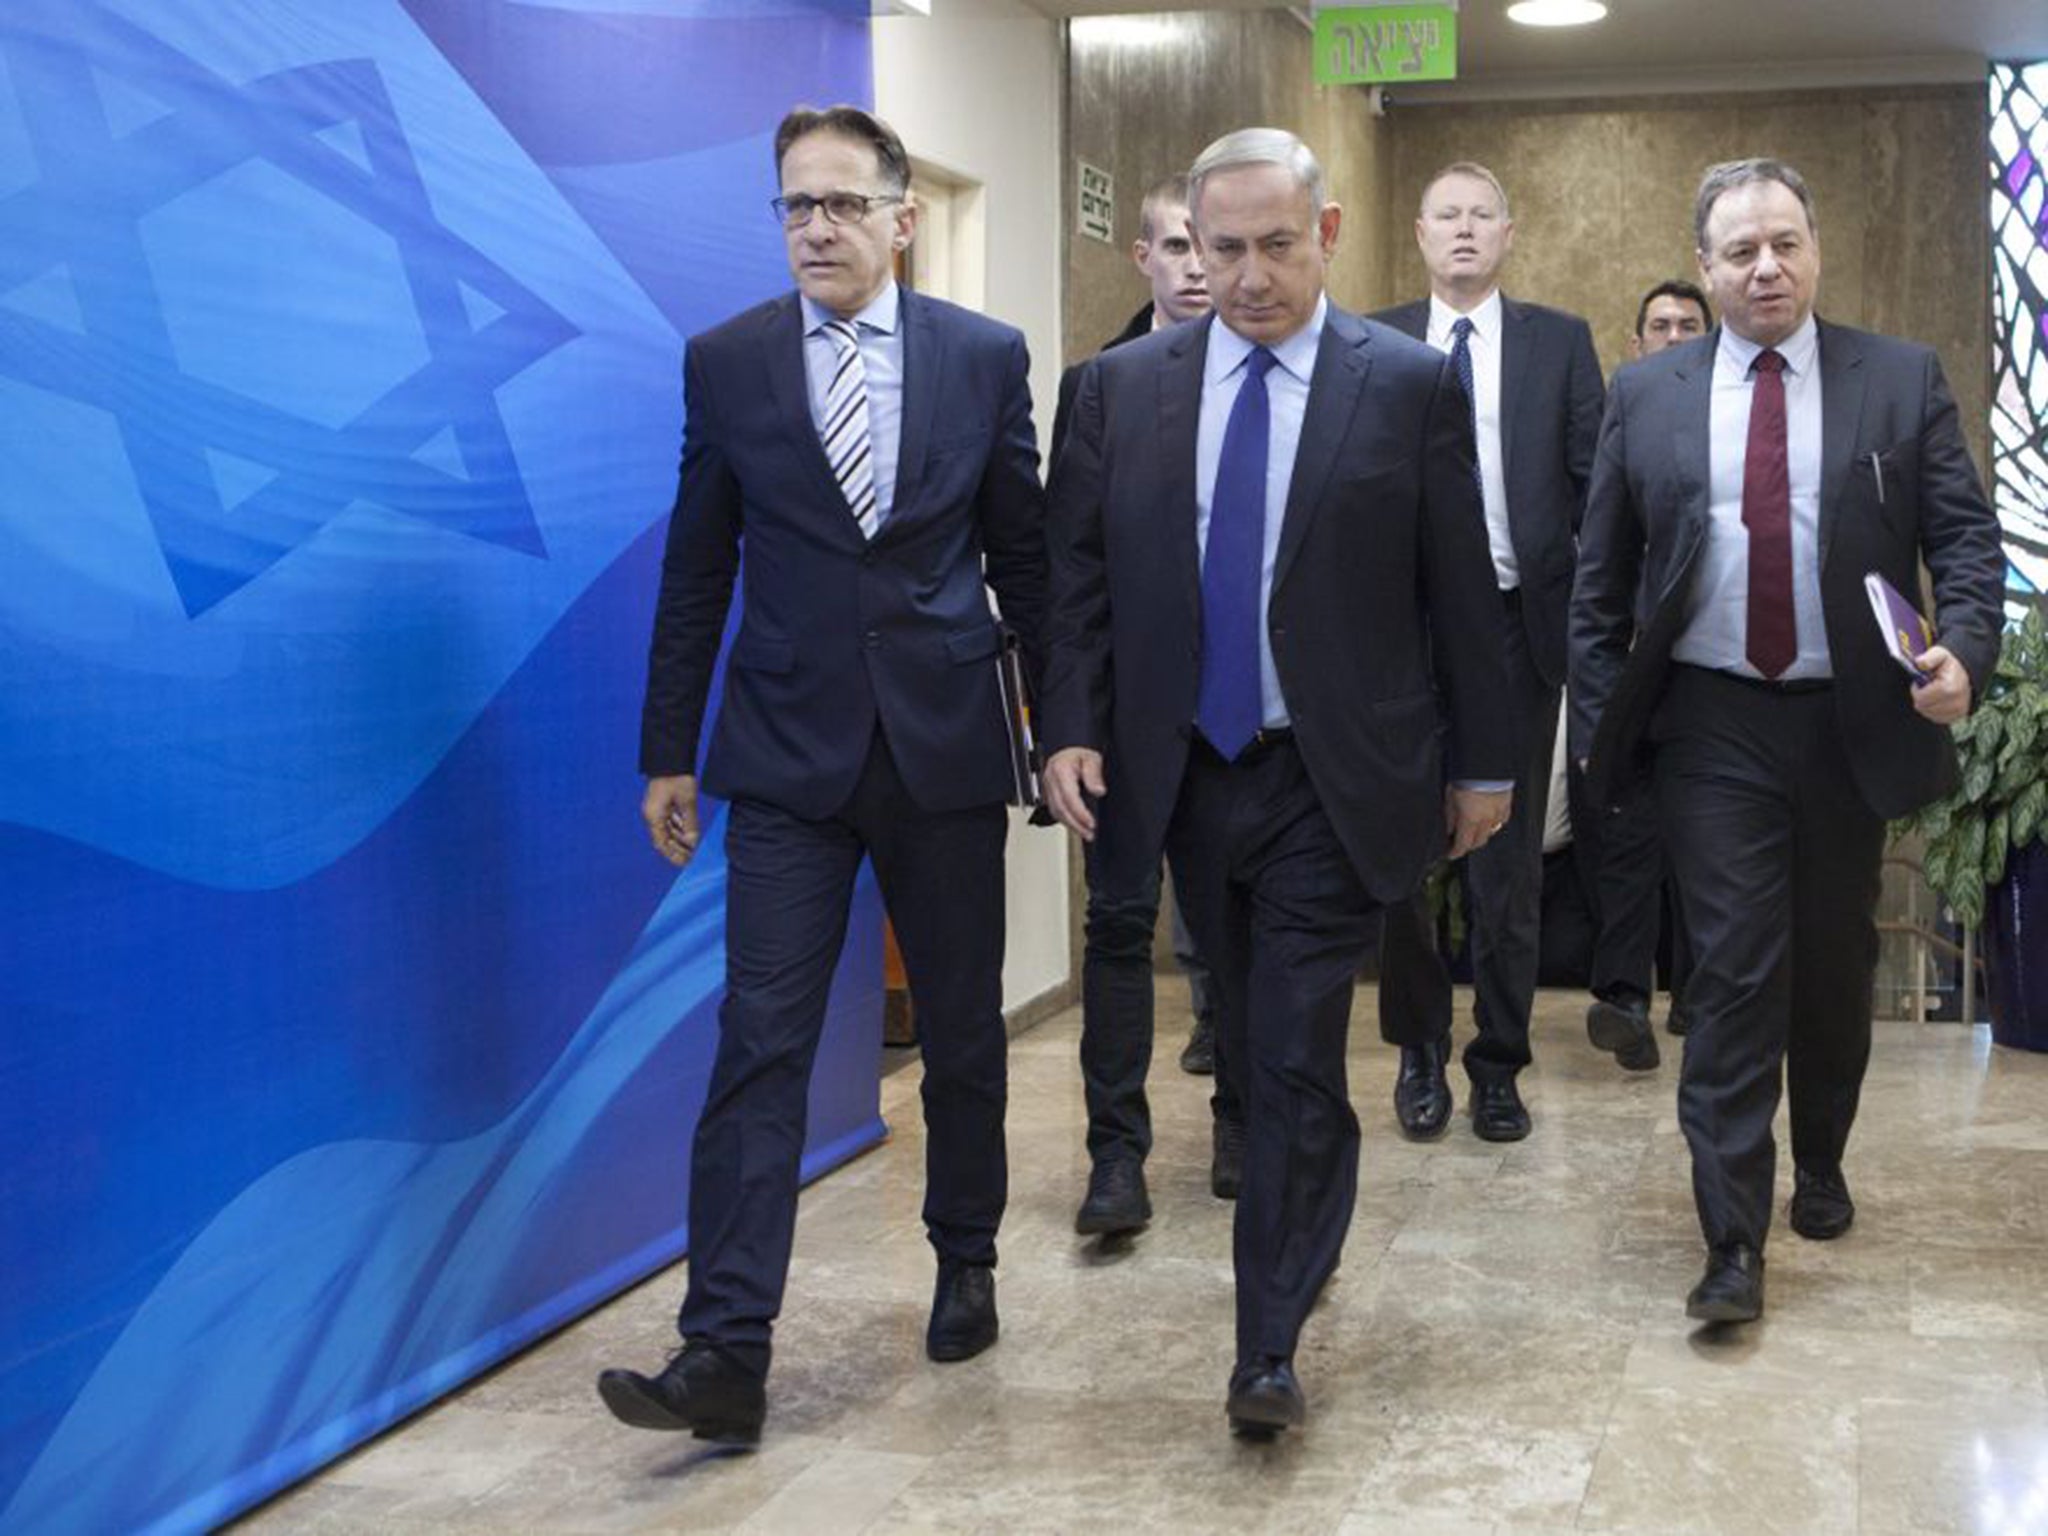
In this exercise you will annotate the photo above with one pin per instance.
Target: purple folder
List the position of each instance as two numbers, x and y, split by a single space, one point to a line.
1906 633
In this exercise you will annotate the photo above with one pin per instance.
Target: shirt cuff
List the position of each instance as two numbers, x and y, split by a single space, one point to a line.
1484 786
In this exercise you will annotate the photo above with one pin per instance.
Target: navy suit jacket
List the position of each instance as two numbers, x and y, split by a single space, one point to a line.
1384 621
1646 522
1550 400
838 633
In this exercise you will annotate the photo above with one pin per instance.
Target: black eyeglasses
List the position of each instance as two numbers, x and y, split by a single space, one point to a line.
840 207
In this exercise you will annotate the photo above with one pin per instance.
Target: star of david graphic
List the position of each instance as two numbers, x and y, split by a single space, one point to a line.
431 444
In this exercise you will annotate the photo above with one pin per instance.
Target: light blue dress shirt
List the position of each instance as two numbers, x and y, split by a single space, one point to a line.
881 354
1287 398
1716 631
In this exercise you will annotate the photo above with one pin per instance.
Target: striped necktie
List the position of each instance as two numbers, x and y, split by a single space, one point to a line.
845 432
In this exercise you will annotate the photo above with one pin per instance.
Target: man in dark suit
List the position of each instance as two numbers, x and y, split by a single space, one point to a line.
1621 857
1752 479
1534 383
1270 615
1116 964
867 450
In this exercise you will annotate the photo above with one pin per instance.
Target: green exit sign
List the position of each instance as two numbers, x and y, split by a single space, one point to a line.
1386 44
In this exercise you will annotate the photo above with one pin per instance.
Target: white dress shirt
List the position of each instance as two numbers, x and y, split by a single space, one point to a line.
1484 346
1287 402
1717 613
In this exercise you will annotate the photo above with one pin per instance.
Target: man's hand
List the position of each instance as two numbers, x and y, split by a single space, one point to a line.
1072 776
1471 816
670 810
1945 697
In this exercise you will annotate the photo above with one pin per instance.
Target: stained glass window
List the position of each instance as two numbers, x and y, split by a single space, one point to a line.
2019 340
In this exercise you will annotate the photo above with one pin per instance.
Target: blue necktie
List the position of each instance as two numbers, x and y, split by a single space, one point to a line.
1229 708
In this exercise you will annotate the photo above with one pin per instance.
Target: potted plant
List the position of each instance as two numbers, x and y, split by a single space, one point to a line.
1983 849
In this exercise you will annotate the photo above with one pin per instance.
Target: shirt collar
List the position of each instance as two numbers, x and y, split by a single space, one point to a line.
1297 354
878 315
1799 349
1485 318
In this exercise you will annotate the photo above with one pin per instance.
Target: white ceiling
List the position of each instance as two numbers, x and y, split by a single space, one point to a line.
1653 45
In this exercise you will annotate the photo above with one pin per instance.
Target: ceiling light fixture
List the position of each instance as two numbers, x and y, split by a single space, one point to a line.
1556 13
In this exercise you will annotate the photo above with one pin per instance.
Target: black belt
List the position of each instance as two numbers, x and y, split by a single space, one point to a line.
1264 741
1784 686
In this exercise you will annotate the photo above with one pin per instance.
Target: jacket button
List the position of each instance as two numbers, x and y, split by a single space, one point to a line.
873 638
867 557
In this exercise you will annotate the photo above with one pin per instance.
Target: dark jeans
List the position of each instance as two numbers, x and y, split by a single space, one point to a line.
788 884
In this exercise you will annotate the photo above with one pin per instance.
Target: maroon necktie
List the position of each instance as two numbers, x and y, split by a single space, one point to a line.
1773 634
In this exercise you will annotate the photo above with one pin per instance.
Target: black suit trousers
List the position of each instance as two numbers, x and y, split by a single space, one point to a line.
1279 911
1778 863
1117 1011
1623 853
1504 906
789 881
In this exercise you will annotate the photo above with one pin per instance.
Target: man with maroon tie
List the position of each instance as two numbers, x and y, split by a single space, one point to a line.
1752 478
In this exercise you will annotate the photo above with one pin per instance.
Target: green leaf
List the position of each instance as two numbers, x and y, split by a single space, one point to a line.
1969 862
2027 812
1994 849
1990 730
1977 780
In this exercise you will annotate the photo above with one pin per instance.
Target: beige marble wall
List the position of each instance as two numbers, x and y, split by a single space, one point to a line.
1602 192
1145 94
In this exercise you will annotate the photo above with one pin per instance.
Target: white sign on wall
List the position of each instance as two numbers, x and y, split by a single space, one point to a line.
1098 204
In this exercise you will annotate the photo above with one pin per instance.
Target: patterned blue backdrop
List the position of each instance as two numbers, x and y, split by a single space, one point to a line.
349 1031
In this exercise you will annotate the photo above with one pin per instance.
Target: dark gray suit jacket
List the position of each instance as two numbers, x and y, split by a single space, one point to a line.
1384 622
1551 394
1646 520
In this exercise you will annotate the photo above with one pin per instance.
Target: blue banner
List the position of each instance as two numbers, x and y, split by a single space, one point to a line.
350 1033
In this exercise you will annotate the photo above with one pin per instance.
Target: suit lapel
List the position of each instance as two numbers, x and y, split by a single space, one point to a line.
1342 365
1693 435
1180 411
1841 413
1515 346
923 348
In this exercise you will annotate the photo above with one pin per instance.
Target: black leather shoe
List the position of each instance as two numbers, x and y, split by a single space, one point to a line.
1497 1112
1199 1054
700 1390
1624 1032
1264 1399
1675 1021
1226 1157
1422 1094
963 1312
1821 1207
1732 1289
1116 1200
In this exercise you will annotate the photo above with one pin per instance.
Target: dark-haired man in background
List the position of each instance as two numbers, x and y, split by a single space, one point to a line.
1749 481
1116 964
1620 857
870 452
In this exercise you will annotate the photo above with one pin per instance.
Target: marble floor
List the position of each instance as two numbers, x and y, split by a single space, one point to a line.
1504 1349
